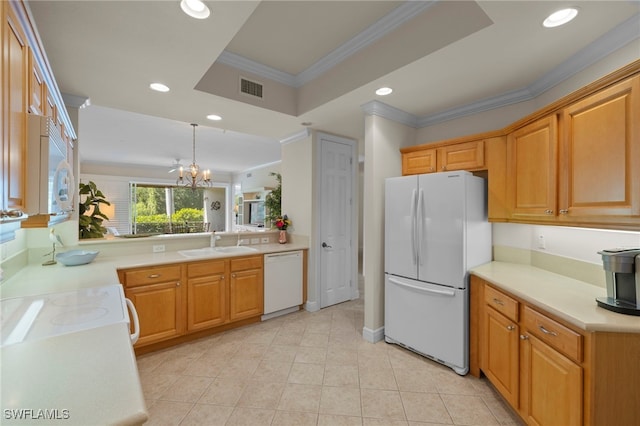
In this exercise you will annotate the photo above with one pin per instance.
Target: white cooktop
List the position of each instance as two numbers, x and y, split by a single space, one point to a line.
37 317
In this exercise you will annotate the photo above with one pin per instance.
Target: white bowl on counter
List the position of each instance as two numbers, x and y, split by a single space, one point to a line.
76 257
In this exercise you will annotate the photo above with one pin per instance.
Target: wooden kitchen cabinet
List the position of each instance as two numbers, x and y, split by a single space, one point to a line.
217 293
157 294
15 63
600 156
206 294
246 288
549 371
532 170
443 157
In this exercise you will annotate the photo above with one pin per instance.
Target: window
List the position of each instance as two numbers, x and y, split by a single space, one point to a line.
176 210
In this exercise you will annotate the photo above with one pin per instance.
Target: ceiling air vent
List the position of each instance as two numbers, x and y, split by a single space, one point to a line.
250 88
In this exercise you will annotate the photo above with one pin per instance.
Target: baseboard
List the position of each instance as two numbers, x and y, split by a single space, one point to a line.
312 306
373 336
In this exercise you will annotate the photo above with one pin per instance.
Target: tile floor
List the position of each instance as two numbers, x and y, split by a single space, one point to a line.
310 369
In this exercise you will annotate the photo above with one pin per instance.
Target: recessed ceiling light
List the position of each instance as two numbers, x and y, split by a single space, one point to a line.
195 9
214 117
384 91
158 87
560 17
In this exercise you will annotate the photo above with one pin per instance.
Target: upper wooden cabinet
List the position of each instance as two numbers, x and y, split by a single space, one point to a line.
15 63
600 156
37 87
443 157
532 170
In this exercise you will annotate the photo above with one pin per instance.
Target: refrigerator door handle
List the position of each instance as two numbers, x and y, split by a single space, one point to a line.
420 220
422 289
414 252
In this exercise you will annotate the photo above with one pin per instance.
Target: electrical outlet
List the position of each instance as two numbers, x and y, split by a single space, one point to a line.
255 241
265 240
158 248
541 242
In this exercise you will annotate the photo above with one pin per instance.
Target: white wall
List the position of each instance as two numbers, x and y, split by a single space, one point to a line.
383 140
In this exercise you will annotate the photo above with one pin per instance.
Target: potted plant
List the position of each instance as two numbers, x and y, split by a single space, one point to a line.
90 217
273 201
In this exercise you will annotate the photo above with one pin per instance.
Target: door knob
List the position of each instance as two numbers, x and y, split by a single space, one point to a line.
325 245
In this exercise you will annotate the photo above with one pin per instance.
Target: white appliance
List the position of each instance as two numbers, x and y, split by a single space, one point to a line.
436 229
282 282
50 182
42 316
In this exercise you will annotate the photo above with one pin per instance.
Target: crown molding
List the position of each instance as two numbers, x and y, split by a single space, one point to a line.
302 134
247 65
392 113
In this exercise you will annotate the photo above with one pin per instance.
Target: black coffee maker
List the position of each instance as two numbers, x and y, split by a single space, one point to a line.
622 269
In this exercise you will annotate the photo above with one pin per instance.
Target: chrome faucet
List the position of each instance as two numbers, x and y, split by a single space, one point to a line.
239 240
214 238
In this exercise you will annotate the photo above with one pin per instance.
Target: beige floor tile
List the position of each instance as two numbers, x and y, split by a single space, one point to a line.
382 404
264 337
242 416
272 371
154 385
377 378
369 421
300 398
207 415
293 418
251 350
223 348
283 353
425 407
168 413
468 410
288 338
341 375
373 359
311 355
318 326
454 384
416 380
206 366
261 395
343 401
316 340
501 411
341 355
151 361
173 365
187 389
239 368
307 374
333 420
223 392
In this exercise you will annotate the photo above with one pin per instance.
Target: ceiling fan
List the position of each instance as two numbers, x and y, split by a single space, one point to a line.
175 166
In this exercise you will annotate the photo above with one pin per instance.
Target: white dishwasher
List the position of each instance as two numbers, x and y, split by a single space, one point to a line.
282 281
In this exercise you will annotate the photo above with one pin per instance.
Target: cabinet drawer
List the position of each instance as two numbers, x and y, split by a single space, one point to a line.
244 263
501 302
136 277
201 269
555 334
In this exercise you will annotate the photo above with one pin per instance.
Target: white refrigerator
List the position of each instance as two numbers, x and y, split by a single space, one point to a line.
436 229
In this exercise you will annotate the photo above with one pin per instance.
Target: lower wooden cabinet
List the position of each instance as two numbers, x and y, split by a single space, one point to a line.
550 372
217 292
551 385
206 294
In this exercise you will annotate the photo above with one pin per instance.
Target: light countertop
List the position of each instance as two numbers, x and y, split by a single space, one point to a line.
569 299
88 377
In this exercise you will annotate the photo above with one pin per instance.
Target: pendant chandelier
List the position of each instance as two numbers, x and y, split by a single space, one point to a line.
192 177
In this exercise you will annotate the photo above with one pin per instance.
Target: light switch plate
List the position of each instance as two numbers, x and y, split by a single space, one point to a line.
265 240
255 240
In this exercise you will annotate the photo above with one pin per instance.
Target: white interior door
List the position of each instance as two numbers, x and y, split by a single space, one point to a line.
336 223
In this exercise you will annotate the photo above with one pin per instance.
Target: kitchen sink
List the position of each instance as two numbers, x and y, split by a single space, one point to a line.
235 249
211 251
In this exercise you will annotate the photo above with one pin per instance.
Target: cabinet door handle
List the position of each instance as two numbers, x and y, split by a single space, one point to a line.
545 331
444 168
511 327
154 276
564 211
524 337
233 275
498 301
178 284
548 211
